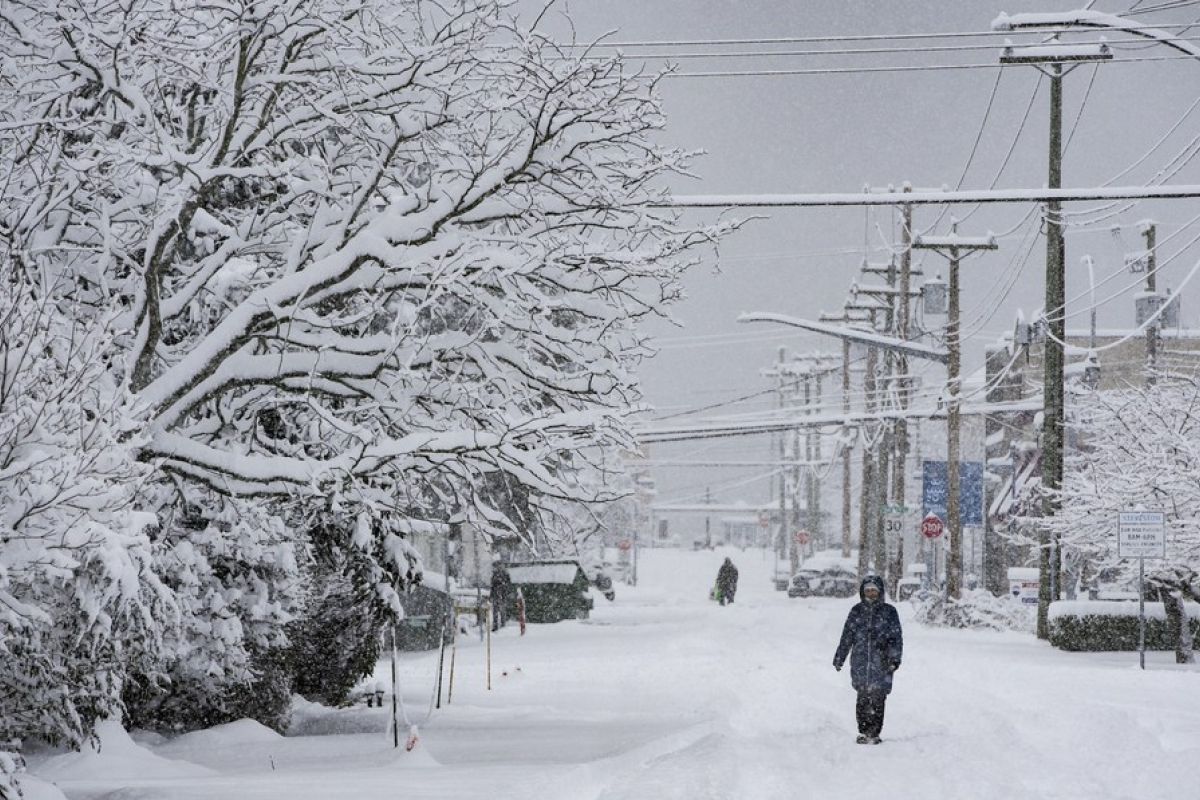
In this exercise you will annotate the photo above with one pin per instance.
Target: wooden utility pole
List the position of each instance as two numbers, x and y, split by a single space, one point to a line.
900 477
954 245
784 544
1051 64
1054 407
865 509
1152 326
847 451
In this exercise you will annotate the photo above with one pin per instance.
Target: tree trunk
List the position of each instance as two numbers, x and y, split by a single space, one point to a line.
1177 623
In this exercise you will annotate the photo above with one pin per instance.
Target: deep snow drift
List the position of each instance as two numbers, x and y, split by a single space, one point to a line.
664 694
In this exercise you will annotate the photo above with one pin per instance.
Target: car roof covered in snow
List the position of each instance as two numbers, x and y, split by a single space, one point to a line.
553 572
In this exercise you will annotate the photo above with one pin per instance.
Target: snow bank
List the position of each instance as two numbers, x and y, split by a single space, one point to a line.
34 789
116 756
314 719
240 732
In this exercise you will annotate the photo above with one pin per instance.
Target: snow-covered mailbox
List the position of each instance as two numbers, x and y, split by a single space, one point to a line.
553 590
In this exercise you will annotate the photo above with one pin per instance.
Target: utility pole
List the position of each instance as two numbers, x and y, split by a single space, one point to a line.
868 472
1051 63
954 245
1152 326
817 525
846 450
900 477
708 519
784 543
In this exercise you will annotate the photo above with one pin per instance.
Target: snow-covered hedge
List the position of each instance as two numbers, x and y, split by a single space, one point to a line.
1095 625
976 609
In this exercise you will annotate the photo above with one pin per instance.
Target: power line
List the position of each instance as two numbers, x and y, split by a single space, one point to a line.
865 50
758 73
846 51
867 37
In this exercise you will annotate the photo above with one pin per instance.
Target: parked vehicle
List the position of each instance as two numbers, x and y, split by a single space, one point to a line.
827 580
782 579
907 587
554 590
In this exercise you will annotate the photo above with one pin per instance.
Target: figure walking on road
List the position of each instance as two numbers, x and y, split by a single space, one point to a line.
873 640
727 577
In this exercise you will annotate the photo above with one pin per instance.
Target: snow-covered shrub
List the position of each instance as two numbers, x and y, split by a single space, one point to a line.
11 765
976 609
79 602
1112 625
335 643
233 568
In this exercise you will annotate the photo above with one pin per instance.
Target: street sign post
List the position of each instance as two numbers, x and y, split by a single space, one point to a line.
932 528
1142 535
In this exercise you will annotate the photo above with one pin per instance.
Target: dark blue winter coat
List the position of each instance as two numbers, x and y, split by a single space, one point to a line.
872 639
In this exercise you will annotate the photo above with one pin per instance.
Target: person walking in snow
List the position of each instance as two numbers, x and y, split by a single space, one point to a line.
727 577
873 640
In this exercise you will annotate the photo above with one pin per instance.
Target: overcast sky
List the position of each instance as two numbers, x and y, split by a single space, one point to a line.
822 133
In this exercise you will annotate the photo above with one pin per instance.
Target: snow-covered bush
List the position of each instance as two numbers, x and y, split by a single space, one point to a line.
1112 625
975 609
335 643
233 568
79 602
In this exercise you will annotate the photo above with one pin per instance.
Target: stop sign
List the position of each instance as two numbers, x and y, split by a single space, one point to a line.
931 526
801 537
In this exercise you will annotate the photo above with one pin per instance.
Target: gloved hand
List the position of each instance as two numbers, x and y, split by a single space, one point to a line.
837 667
893 667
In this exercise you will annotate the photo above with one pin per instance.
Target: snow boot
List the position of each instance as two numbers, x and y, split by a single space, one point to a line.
862 739
873 740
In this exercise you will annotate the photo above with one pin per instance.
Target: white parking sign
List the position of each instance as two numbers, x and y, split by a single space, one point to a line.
1142 534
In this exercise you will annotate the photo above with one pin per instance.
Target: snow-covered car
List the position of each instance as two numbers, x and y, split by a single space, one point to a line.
554 590
782 579
833 580
907 587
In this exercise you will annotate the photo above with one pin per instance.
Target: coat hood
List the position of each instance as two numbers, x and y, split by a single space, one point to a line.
870 580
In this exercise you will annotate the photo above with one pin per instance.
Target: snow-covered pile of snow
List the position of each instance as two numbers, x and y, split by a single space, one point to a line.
976 609
240 732
34 789
116 756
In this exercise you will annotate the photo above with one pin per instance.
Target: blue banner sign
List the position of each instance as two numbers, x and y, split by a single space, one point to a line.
935 489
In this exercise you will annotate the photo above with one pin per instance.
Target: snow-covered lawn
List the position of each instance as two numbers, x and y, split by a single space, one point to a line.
663 694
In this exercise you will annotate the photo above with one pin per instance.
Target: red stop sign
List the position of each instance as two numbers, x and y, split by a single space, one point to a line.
932 527
801 537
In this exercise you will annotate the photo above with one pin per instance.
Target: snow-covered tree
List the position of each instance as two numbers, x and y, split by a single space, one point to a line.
362 257
1137 447
392 245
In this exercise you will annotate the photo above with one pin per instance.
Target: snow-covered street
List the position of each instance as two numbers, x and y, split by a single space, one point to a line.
664 694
